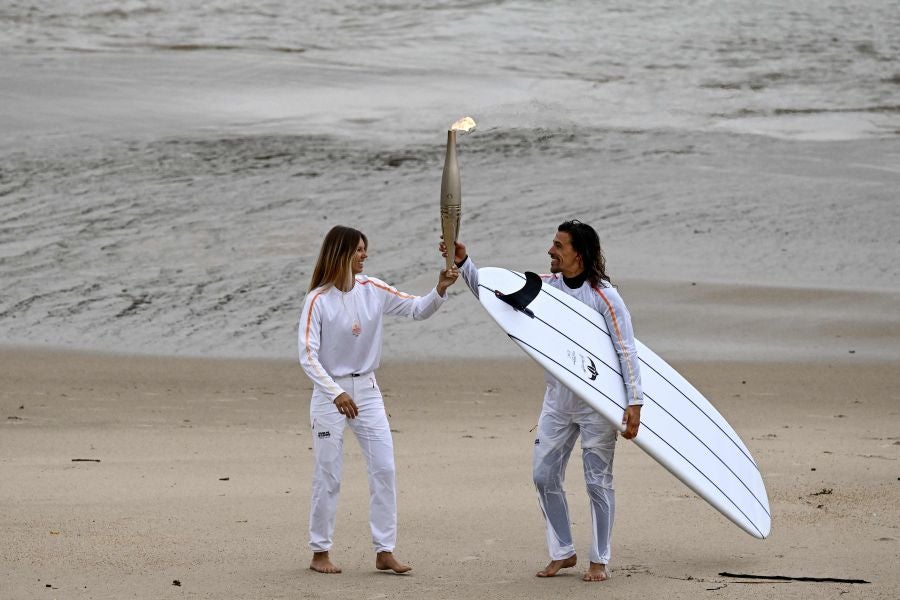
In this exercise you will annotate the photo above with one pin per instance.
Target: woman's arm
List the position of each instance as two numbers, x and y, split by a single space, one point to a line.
309 334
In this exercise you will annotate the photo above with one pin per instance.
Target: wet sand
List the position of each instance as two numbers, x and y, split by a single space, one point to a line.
123 475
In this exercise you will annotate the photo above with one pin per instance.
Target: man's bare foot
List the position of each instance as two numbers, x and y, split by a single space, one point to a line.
555 565
321 563
596 572
385 561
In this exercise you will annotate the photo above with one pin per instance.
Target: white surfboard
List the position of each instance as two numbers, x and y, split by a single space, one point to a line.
679 427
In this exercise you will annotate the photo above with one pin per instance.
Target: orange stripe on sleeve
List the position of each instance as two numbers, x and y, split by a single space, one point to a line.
309 356
627 357
387 289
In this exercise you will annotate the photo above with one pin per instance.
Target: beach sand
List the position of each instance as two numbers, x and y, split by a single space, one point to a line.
123 475
167 174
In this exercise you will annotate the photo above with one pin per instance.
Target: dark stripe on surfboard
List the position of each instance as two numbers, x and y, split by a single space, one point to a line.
661 376
685 459
671 416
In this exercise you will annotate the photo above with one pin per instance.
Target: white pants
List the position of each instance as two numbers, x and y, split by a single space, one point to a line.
374 436
557 432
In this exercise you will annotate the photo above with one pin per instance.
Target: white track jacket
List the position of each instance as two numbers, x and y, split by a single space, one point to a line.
340 333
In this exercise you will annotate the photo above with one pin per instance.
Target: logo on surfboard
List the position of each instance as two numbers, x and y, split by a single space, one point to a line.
590 369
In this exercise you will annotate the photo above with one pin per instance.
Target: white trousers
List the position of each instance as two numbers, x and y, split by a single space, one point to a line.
557 432
373 433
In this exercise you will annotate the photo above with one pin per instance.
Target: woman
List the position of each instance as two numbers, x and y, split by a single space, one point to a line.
340 349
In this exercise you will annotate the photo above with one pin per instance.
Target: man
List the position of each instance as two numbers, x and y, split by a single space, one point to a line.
578 268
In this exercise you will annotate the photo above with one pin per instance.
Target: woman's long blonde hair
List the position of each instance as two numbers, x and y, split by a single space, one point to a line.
335 263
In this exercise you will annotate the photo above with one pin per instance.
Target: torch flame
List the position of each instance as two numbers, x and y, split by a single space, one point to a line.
464 125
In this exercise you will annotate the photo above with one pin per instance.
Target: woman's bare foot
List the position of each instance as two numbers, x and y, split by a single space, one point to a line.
385 561
555 565
596 572
321 563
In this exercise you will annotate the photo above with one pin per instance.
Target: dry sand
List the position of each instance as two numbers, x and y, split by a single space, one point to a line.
197 471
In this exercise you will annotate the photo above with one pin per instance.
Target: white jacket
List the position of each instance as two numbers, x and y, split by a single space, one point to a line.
340 333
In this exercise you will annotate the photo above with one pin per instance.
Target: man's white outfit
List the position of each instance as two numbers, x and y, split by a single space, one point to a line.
340 338
564 417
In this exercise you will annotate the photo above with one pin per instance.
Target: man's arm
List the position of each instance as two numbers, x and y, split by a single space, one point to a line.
466 266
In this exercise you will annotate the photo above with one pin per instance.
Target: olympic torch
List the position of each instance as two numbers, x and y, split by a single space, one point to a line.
451 196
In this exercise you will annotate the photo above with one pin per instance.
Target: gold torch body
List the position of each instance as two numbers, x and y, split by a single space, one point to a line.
451 198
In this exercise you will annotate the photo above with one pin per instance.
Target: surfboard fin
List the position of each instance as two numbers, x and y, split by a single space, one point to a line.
520 299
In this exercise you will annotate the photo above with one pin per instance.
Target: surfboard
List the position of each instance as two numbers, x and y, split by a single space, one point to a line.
679 428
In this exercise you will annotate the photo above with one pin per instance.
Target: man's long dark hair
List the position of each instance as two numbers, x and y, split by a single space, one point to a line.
586 243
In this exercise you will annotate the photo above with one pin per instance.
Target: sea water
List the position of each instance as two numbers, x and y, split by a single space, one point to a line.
168 168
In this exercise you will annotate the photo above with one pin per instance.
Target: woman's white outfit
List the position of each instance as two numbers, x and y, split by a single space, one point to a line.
340 338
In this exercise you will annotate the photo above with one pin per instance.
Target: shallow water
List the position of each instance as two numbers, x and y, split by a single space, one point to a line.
801 68
168 169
